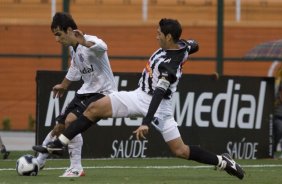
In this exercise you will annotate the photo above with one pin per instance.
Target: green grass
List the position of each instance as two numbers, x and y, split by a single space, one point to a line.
144 171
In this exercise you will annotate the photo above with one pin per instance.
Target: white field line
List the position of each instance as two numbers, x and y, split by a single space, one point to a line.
153 167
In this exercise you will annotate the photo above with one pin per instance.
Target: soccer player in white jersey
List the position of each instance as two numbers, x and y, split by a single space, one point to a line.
89 62
152 100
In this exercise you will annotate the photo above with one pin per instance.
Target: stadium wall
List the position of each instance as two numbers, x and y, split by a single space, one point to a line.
17 92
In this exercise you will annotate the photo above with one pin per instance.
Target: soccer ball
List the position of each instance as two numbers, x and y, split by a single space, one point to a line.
27 165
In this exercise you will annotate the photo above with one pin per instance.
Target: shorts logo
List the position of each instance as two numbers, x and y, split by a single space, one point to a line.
82 103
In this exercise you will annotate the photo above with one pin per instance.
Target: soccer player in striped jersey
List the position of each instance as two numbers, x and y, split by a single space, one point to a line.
152 100
89 62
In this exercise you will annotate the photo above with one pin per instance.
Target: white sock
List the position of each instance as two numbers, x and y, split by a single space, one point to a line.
41 158
221 164
219 159
75 148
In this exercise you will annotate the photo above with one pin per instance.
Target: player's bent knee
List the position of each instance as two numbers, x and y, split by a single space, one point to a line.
181 152
91 112
58 129
92 108
67 123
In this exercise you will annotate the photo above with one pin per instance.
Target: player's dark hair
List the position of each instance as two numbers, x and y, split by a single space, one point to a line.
63 21
171 26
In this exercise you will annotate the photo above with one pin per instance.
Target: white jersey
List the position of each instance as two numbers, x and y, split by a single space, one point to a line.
92 66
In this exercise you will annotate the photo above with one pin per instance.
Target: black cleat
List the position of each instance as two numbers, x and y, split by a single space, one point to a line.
40 149
5 152
56 148
6 155
231 167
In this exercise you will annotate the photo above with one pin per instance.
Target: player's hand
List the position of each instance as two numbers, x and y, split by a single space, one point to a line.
215 75
58 90
80 38
141 131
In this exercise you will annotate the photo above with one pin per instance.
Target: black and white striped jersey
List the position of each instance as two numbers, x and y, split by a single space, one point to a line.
166 64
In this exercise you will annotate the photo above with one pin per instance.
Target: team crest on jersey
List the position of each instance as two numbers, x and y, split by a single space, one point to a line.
81 59
87 70
149 69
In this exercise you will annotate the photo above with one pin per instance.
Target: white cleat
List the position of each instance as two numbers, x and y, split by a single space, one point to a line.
73 173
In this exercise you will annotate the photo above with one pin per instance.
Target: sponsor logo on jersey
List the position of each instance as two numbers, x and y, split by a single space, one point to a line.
167 60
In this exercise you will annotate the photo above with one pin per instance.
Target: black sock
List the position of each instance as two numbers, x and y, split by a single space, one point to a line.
78 126
3 149
200 155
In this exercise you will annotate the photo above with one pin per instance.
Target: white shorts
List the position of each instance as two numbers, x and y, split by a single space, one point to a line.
136 104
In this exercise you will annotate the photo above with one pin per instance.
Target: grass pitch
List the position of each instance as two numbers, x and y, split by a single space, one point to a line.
143 171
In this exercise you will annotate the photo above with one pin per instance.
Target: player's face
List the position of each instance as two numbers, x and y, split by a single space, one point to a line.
161 38
62 37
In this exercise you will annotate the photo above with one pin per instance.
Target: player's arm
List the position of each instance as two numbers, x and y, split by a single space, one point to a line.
167 76
65 83
158 95
73 74
59 89
193 46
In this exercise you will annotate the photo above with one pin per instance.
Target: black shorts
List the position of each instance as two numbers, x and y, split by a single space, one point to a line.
78 105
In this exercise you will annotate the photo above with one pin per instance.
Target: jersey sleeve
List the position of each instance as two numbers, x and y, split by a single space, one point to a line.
99 47
193 46
168 70
166 73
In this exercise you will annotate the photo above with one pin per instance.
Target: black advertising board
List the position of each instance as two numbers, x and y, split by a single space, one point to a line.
232 114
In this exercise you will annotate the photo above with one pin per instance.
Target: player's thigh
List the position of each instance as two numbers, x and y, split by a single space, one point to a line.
101 108
129 104
82 105
167 126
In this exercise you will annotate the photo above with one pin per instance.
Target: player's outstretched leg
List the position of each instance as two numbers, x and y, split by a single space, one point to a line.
230 166
78 126
221 162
